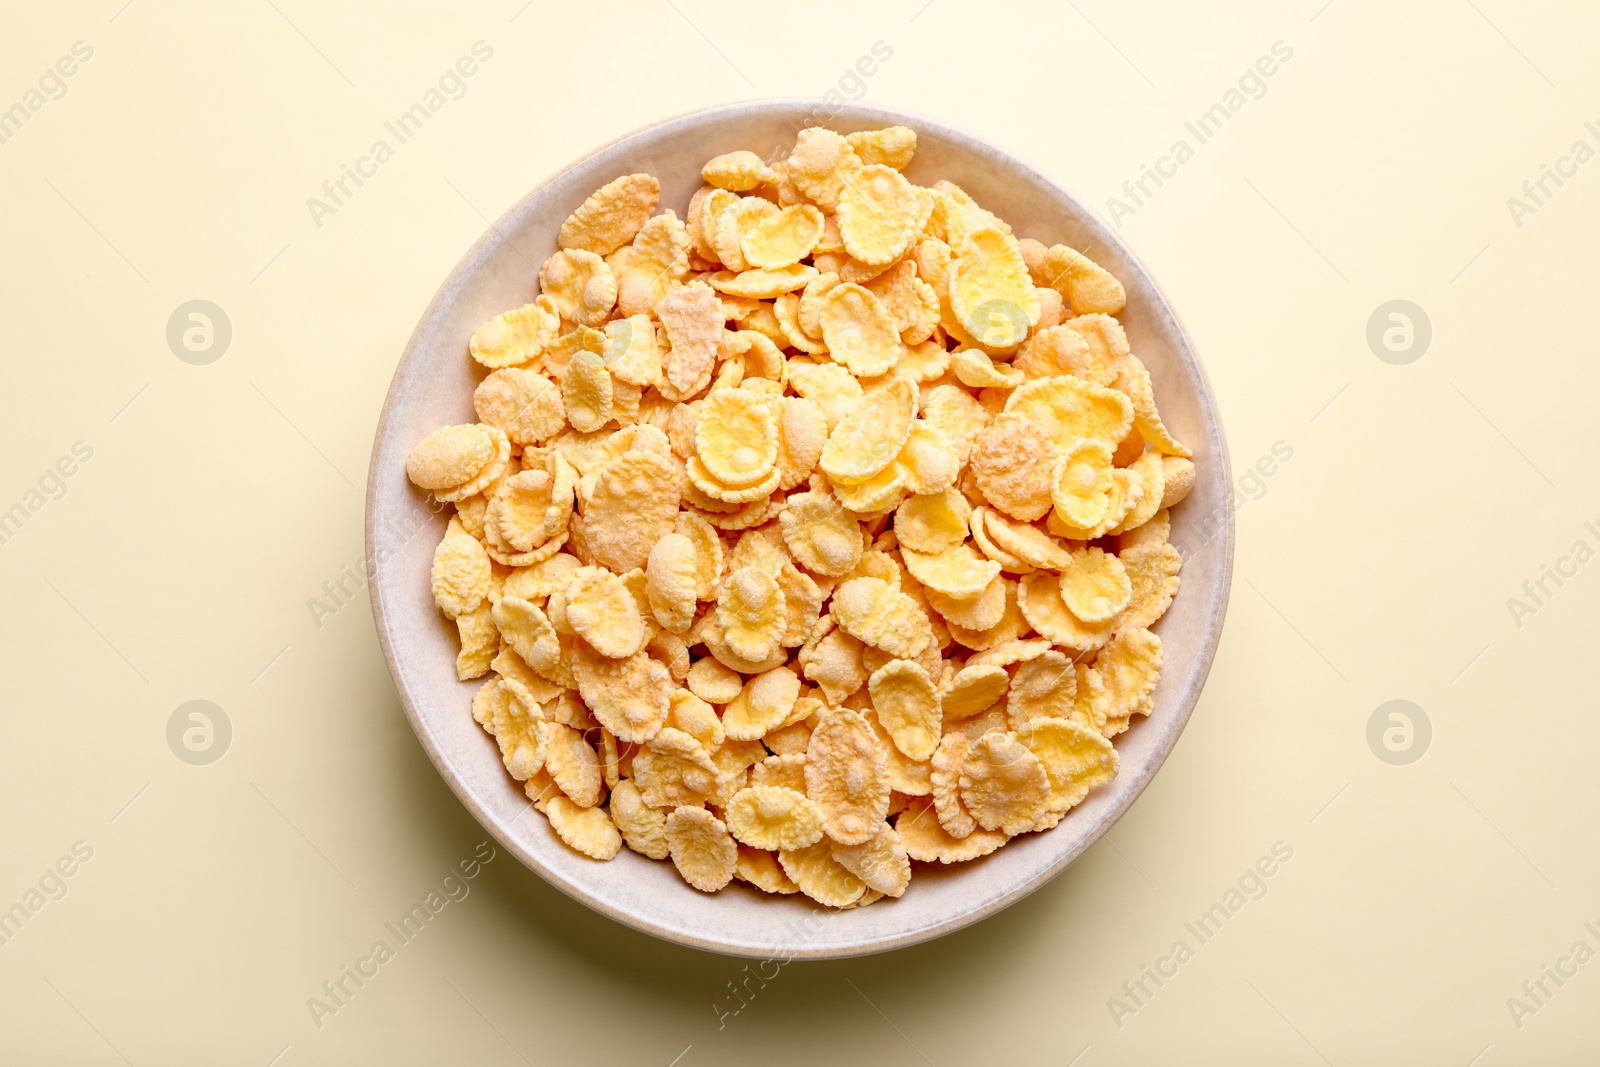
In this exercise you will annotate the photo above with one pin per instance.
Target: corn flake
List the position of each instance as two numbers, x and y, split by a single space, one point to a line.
701 849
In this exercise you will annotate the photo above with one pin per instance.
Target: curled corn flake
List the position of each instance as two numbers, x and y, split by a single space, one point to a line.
701 479
670 580
820 165
602 611
712 682
1039 598
762 284
525 627
945 779
695 717
802 433
611 216
1081 490
974 613
906 775
692 318
1150 469
859 331
701 849
957 572
832 661
732 223
528 509
644 828
908 706
580 285
763 704
629 696
788 772
1059 350
892 146
782 238
1075 758
1042 688
515 336
821 877
991 295
1127 492
762 870
460 571
634 505
452 456
525 406
929 460
1069 409
881 863
586 393
877 495
973 689
586 830
572 763
750 614
829 386
653 266
932 523
823 538
1081 281
928 841
1027 543
877 614
1177 476
737 171
973 367
707 553
736 437
1152 570
1003 784
1095 586
514 720
1130 666
1013 460
631 353
958 415
774 817
881 214
673 769
846 775
869 438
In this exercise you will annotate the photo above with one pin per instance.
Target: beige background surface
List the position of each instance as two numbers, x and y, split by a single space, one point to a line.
1375 564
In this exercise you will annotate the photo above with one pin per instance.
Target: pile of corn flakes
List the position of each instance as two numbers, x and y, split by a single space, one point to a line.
817 532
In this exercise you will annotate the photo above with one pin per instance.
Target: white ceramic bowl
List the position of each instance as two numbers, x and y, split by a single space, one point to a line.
433 386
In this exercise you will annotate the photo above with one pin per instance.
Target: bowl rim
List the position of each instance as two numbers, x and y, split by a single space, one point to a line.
1223 541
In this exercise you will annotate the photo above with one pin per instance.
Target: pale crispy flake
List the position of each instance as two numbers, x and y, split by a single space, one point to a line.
516 336
788 771
634 505
876 613
586 393
629 696
1025 542
701 849
525 406
881 214
957 572
847 776
586 830
821 877
1042 687
750 614
572 762
670 578
1039 597
774 817
653 266
763 284
1081 489
580 284
707 553
1003 784
802 434
973 689
781 238
974 613
644 829
673 768
1083 283
631 353
882 863
991 295
453 456
762 870
736 437
929 460
612 215
869 438
1069 409
460 571
820 534
763 704
692 317
860 332
975 369
1150 469
1130 666
820 165
957 415
1095 586
525 627
932 523
908 706
828 385
737 171
1075 758
712 682
1177 476
1152 570
928 841
1013 460
893 146
602 611
832 661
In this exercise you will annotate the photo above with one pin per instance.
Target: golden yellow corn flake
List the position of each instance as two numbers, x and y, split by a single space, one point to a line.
786 519
701 849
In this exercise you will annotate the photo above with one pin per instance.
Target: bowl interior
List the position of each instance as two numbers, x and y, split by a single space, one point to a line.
433 386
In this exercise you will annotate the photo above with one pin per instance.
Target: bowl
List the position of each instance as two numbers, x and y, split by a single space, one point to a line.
433 386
